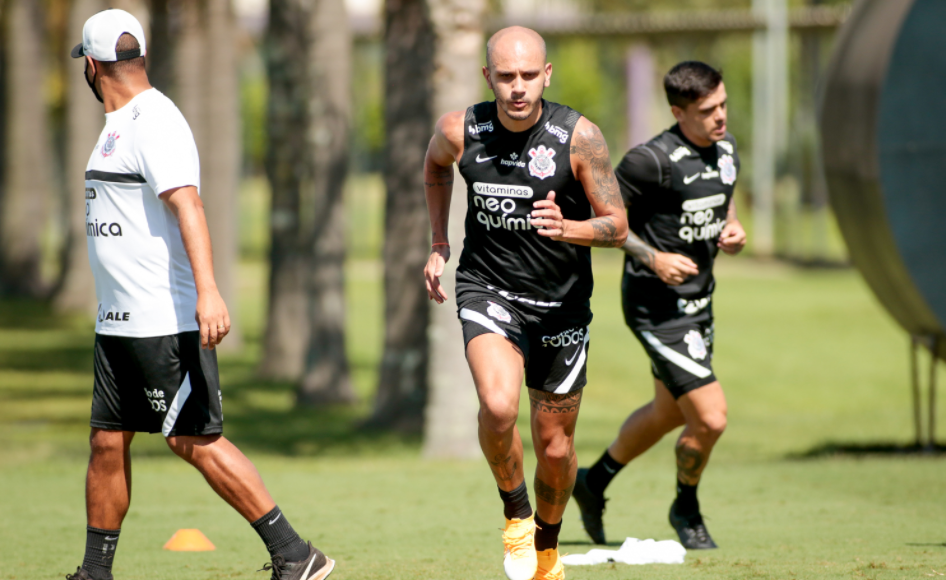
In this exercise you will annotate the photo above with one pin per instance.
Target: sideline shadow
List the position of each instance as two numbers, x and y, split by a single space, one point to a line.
942 545
877 448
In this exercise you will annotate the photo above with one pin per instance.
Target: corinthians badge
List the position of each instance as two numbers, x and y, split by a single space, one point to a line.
541 165
109 146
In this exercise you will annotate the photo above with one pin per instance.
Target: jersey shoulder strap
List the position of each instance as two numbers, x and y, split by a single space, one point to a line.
563 116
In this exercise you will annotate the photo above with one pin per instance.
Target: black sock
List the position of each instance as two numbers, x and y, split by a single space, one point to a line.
687 504
546 534
280 538
516 502
601 473
99 552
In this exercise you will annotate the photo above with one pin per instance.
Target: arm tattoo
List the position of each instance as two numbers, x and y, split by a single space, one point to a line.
636 247
442 178
502 469
555 404
550 495
689 464
591 147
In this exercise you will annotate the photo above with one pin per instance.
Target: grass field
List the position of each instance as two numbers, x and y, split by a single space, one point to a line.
807 359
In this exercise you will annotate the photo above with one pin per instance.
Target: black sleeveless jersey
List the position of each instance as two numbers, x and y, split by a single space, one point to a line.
506 173
678 197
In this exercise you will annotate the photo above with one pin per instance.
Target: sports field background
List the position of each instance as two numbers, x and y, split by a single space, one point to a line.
807 358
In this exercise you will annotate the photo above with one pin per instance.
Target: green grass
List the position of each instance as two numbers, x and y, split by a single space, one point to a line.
807 359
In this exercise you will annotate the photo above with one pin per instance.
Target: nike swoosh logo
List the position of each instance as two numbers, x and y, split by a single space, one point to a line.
608 469
481 160
569 361
691 179
273 521
108 539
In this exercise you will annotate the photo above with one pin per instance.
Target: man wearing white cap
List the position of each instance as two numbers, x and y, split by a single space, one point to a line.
160 314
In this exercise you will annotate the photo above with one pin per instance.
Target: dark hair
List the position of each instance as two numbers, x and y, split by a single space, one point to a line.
120 68
690 81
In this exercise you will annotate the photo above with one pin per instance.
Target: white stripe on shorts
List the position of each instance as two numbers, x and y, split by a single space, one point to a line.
576 368
176 405
474 316
687 364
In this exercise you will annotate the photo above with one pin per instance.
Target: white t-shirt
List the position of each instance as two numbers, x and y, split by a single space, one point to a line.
143 278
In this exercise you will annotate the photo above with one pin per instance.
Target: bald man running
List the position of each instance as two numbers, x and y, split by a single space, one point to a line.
536 173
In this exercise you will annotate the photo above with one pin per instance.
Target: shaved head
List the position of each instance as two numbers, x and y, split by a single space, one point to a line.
512 41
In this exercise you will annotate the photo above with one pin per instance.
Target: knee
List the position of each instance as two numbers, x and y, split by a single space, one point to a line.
557 454
497 418
106 443
712 425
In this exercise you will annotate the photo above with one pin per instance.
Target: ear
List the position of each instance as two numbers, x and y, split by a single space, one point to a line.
678 113
548 74
489 82
90 62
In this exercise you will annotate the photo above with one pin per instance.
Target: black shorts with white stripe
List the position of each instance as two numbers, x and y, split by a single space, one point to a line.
161 384
554 345
681 354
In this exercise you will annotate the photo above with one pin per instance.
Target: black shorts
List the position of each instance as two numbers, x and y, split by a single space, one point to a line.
681 354
161 384
554 345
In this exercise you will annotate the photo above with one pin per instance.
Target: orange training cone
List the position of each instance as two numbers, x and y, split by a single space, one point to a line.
189 541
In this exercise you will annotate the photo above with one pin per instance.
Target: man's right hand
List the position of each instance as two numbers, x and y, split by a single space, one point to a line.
673 269
439 255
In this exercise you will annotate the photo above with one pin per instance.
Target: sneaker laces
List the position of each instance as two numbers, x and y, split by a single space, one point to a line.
517 546
278 565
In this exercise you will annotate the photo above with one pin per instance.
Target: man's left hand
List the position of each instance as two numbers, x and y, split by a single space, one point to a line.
213 318
733 238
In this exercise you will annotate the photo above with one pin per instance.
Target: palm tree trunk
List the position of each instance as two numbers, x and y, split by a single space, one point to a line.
450 426
409 59
25 186
308 62
84 120
326 379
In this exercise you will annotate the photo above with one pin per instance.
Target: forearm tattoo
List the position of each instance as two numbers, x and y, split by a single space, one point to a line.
689 464
550 495
636 247
590 147
439 178
555 404
504 468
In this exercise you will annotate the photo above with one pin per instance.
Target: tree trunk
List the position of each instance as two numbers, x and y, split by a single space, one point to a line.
308 62
84 120
402 381
26 185
450 426
207 92
326 379
160 59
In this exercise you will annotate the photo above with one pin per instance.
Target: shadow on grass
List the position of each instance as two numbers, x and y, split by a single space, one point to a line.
878 448
259 415
590 544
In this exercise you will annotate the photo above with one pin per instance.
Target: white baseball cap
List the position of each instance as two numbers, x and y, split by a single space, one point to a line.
101 33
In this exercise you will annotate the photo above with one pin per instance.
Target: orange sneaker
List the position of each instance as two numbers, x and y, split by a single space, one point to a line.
520 560
550 566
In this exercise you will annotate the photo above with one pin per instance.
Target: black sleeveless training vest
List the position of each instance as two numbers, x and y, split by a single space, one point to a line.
506 173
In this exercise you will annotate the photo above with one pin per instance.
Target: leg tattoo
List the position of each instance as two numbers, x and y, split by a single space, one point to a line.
555 404
550 495
502 469
689 464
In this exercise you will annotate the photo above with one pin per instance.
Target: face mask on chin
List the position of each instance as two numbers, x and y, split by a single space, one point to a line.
91 83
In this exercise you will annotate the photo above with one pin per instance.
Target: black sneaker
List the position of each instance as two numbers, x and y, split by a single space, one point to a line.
591 506
315 567
692 532
81 574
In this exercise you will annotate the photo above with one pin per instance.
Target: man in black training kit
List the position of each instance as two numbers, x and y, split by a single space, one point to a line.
678 188
535 171
160 314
